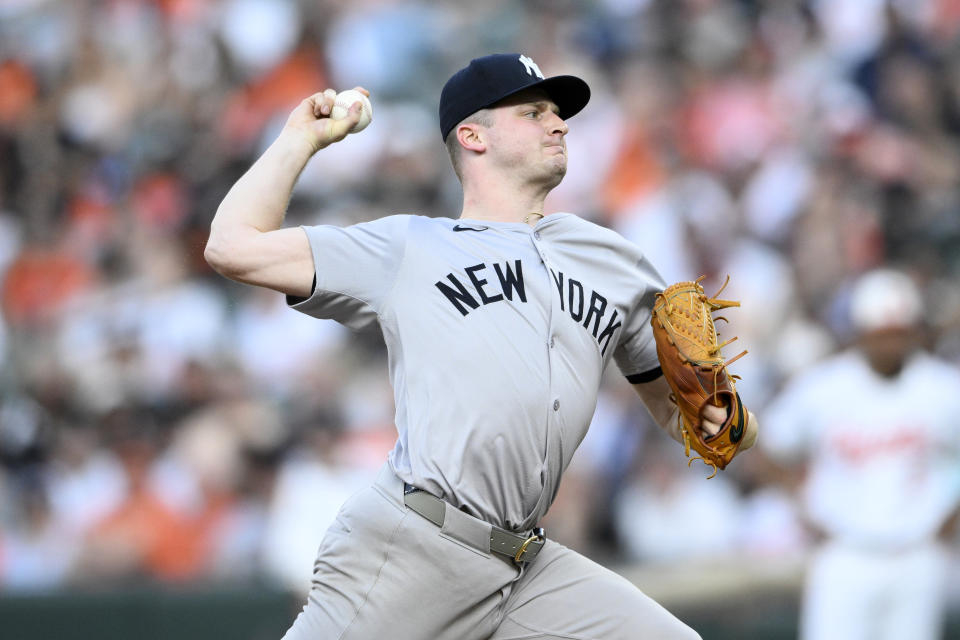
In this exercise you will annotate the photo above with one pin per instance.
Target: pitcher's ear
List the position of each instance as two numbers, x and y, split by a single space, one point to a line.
471 136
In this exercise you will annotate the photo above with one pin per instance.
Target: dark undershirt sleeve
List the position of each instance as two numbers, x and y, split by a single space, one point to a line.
646 376
292 300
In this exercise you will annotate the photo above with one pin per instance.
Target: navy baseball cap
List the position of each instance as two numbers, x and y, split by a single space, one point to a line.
490 79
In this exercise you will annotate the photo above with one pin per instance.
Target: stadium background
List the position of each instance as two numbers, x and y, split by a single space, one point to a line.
172 445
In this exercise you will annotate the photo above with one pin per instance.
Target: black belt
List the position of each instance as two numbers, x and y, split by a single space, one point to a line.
519 547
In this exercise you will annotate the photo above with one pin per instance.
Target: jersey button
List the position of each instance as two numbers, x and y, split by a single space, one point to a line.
556 405
553 342
536 234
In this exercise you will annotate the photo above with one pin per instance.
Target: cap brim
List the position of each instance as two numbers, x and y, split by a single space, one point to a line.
569 93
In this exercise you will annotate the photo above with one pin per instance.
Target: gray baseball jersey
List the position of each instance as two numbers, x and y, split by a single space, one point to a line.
497 335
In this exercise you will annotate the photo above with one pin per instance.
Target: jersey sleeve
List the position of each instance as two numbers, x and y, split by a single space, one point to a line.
354 269
636 353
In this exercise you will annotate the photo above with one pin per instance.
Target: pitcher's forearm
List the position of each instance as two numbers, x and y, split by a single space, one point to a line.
656 398
258 201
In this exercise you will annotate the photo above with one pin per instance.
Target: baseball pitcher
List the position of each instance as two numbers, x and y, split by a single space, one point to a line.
498 326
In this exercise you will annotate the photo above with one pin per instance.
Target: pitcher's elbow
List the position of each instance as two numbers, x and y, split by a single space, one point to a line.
217 255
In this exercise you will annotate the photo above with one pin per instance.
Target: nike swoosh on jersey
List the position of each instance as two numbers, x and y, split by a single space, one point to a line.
457 227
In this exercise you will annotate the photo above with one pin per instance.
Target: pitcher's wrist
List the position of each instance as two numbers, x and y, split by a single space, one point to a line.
298 143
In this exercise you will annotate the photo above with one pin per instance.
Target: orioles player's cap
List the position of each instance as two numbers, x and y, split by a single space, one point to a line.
490 79
885 299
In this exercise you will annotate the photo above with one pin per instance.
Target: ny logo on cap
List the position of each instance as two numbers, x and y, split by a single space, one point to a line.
531 67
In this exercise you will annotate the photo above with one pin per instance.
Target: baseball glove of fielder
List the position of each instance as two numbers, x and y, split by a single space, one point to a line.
683 327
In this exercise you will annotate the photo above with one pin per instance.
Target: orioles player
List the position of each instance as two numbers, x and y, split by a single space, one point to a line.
876 431
498 326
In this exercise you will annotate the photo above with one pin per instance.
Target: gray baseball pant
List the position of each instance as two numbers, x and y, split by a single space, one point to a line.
384 571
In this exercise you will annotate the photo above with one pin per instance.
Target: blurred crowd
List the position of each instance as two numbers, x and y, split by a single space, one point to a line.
158 423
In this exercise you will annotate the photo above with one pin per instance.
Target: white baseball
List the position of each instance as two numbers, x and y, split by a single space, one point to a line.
342 105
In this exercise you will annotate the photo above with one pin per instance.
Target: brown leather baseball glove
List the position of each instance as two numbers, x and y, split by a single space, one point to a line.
683 327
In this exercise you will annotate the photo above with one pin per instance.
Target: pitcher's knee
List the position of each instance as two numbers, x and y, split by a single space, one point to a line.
686 633
662 627
638 615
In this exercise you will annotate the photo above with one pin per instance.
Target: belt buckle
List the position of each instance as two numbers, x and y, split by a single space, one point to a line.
537 536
